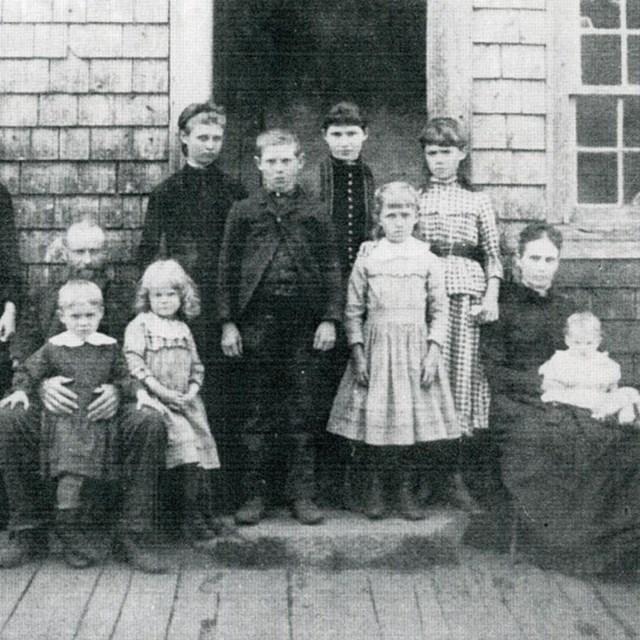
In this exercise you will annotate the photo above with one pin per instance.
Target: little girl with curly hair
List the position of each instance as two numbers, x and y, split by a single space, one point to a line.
161 353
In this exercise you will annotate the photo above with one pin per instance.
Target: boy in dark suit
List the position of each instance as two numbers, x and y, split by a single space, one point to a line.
279 300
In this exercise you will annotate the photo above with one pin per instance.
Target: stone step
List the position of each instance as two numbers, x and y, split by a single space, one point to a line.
345 540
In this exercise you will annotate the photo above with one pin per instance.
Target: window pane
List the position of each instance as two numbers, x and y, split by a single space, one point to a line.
602 14
601 60
633 14
596 121
632 178
631 123
597 177
634 59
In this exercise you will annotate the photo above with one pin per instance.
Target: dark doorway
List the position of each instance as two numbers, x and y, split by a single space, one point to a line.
284 62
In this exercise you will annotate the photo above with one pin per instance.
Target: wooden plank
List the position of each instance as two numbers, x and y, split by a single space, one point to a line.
396 605
148 606
332 606
621 601
106 604
434 624
591 617
13 586
53 605
253 605
195 611
465 607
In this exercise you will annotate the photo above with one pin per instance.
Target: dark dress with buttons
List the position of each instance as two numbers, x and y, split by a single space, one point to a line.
575 480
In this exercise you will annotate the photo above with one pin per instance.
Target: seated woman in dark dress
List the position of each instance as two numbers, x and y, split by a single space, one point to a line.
575 481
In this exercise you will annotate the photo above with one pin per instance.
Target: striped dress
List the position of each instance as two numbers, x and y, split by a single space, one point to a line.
455 220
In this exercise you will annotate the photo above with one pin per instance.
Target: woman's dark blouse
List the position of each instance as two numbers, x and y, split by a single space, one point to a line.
530 329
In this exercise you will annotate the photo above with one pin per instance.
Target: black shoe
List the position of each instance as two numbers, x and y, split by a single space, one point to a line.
251 512
22 546
409 508
138 553
195 529
306 512
375 507
460 497
218 526
75 546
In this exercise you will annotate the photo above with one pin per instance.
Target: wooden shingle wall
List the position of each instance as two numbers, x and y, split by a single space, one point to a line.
509 105
84 88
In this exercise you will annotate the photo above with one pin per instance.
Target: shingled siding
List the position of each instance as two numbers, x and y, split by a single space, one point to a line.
84 102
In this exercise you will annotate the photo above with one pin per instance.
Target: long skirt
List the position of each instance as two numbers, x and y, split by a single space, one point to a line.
575 481
466 374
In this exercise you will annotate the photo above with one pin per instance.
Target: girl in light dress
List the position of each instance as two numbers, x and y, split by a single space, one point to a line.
460 226
585 377
395 393
161 353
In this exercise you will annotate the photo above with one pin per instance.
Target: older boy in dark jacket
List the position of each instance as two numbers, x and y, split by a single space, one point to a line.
279 300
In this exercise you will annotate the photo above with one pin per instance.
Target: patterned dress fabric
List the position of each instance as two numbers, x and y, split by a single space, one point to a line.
71 443
455 220
396 305
164 349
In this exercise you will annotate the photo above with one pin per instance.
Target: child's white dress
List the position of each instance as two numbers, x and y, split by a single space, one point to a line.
165 349
590 383
397 303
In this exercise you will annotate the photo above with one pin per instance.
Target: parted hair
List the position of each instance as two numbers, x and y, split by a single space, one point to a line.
380 196
200 113
74 291
275 138
344 114
536 231
169 273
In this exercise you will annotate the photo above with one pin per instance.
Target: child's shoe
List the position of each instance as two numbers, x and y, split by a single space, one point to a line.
22 546
374 509
306 512
409 508
460 497
142 556
195 529
75 547
251 512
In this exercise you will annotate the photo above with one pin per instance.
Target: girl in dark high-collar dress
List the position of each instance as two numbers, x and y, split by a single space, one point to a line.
575 481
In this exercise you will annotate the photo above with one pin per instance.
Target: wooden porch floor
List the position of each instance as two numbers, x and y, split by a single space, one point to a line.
481 598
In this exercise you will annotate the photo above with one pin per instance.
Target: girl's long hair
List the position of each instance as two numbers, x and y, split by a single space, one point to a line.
445 132
169 273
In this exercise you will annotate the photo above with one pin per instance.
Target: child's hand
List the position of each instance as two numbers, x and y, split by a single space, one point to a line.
430 365
231 341
174 399
17 397
325 337
145 400
194 389
360 365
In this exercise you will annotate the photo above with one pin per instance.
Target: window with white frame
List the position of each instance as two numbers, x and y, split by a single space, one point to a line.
608 103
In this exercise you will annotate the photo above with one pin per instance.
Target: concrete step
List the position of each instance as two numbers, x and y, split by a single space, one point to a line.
345 540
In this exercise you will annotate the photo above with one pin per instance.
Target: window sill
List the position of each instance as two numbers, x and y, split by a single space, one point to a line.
600 233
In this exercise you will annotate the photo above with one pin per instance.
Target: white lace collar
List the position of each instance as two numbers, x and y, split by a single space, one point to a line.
68 339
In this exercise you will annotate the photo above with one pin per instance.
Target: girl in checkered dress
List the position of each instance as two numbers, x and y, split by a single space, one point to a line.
460 226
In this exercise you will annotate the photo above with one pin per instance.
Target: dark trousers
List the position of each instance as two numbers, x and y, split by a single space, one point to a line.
141 455
283 381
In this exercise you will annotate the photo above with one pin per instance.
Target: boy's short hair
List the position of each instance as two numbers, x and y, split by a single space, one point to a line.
74 291
581 322
344 114
276 138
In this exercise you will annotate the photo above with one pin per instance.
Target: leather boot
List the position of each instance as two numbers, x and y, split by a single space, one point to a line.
194 526
22 546
375 507
251 512
409 507
460 497
75 545
140 554
305 511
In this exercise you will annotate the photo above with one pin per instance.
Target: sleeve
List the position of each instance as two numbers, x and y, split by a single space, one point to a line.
151 239
356 308
35 369
615 375
11 279
489 238
134 350
437 303
29 334
196 374
332 274
552 374
229 268
502 372
121 377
